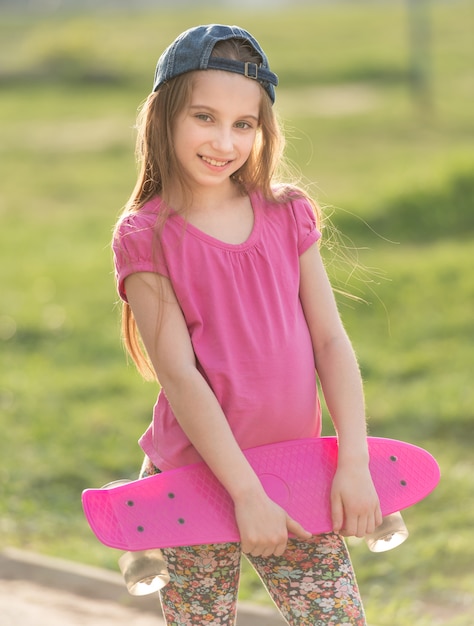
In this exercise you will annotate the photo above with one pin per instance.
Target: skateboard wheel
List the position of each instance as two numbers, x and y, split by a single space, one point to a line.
390 534
116 483
144 571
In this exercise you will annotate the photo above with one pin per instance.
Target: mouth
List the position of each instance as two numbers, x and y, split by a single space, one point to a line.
214 162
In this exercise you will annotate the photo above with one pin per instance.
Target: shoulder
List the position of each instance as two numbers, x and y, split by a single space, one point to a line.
134 239
136 245
136 229
293 198
144 218
298 198
295 207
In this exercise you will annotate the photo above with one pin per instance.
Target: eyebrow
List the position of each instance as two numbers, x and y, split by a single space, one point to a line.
206 107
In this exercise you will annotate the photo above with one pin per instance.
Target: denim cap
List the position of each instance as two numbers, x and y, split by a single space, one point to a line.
192 51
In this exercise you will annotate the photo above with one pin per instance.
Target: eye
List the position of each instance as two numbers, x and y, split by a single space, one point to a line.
243 125
203 117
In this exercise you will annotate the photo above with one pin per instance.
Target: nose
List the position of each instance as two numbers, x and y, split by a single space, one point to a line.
222 140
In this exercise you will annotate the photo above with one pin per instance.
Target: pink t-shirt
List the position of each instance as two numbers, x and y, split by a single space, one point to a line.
245 319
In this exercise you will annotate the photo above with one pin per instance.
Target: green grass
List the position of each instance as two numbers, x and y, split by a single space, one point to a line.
399 185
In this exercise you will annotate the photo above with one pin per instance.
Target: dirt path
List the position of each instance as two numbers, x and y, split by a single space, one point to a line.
24 602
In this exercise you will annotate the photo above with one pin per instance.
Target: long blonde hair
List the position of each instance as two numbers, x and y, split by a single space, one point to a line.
159 171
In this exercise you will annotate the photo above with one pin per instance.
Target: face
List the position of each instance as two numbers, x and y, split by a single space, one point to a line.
214 134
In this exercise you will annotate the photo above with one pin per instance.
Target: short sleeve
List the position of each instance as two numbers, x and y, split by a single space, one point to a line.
136 248
307 229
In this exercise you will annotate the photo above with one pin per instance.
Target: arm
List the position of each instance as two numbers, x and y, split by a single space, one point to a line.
263 525
354 502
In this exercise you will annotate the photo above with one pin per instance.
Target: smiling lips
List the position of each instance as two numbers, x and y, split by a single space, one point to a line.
214 162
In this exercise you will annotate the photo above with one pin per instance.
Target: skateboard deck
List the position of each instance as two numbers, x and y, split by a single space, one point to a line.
188 505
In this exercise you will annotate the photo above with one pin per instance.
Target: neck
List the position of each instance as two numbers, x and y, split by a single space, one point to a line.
206 198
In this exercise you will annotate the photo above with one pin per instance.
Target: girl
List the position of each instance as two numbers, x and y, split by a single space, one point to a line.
222 281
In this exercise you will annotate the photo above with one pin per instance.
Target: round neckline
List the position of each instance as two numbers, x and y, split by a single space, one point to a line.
219 243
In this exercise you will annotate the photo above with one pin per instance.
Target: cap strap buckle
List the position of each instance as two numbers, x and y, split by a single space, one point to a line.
253 70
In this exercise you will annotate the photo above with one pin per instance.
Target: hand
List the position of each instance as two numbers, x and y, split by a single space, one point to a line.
264 526
355 505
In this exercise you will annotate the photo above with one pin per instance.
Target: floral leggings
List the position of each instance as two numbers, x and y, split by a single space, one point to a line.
312 583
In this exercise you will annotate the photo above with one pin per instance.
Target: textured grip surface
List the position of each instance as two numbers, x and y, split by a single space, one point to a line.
189 506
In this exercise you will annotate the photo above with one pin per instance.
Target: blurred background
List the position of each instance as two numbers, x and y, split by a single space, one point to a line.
376 98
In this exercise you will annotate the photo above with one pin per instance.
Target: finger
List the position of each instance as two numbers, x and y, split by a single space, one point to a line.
296 529
274 550
257 552
248 546
362 524
377 521
371 524
280 550
337 514
373 521
350 526
378 516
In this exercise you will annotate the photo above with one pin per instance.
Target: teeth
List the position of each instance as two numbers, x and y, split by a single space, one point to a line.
214 162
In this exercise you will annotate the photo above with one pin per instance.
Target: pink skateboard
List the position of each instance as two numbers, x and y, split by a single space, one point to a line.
188 506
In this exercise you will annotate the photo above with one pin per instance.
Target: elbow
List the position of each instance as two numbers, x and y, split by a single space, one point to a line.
176 380
332 347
